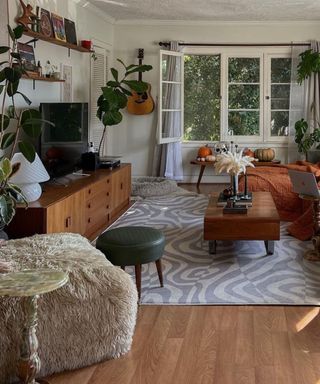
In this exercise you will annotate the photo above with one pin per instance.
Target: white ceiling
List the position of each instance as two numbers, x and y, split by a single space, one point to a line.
211 10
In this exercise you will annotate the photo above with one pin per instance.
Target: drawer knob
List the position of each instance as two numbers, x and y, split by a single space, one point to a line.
107 206
89 191
121 186
108 181
89 220
89 205
68 221
108 193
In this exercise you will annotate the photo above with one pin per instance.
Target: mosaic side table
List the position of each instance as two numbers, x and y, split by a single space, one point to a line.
29 284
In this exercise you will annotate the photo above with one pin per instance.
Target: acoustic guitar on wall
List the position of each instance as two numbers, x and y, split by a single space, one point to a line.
140 103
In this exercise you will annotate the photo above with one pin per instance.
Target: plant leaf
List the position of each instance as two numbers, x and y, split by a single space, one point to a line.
27 149
26 99
122 98
126 91
16 55
2 76
18 31
7 208
113 84
6 122
6 167
112 118
115 74
4 49
11 111
120 61
138 86
12 74
11 33
12 88
1 88
7 140
140 68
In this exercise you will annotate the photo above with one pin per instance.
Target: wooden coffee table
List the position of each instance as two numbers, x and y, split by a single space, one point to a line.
262 222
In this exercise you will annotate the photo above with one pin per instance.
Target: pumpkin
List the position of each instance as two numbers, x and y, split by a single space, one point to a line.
210 158
248 152
204 151
264 154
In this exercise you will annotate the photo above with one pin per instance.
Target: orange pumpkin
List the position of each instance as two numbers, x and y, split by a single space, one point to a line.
248 152
264 154
204 151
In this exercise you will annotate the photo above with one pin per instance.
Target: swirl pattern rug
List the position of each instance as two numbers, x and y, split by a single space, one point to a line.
240 272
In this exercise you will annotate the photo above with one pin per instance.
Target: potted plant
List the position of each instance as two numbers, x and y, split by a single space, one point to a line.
115 95
307 141
14 124
309 63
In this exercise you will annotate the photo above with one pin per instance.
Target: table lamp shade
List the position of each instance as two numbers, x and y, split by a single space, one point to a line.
28 172
29 176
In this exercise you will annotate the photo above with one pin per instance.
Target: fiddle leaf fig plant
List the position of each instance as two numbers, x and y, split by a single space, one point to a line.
15 124
115 95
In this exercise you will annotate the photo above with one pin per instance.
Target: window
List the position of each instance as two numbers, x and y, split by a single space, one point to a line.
241 96
202 97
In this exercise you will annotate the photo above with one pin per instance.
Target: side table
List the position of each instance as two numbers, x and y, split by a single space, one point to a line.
29 284
203 165
314 255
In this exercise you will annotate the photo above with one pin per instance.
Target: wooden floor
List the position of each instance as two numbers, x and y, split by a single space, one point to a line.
216 345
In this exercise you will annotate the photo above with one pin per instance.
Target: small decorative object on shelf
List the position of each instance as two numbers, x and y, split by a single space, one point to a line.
27 58
264 154
28 18
87 44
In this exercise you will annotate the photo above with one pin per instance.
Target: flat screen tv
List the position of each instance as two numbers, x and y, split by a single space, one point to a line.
61 145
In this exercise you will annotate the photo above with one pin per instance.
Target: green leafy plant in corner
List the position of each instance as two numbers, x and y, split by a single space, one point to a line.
304 139
14 124
309 63
115 95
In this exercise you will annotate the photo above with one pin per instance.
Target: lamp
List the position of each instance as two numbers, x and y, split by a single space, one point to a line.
29 176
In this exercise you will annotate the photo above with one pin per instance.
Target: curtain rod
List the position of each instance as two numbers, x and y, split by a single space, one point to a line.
167 44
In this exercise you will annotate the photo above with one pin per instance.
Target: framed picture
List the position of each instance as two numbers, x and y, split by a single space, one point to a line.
27 57
58 27
66 87
70 29
45 23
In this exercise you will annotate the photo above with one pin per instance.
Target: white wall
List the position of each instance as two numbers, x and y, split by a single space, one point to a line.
134 138
89 26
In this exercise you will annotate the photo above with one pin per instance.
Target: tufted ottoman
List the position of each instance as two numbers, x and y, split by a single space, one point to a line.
126 246
91 319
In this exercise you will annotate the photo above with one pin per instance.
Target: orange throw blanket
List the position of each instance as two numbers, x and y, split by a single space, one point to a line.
276 180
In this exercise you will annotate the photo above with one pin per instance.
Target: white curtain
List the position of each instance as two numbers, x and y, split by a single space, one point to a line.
297 103
167 160
312 94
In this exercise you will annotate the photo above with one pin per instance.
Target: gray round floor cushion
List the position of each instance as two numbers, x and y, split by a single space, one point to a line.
153 186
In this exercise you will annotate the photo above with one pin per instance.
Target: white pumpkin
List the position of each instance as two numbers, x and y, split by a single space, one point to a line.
210 158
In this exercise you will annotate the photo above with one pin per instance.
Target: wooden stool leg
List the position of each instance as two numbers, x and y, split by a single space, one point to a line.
159 269
123 267
138 278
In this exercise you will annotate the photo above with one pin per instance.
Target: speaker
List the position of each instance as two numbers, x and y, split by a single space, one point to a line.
90 161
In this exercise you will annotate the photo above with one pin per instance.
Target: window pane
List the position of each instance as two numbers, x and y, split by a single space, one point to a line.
280 91
171 96
171 70
243 123
280 96
244 70
244 96
280 70
202 97
279 123
171 124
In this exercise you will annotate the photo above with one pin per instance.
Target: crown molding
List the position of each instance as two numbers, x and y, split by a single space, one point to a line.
92 8
152 22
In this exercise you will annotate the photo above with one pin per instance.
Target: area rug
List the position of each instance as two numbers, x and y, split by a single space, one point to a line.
240 272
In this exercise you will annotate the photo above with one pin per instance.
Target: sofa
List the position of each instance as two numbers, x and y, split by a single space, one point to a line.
91 319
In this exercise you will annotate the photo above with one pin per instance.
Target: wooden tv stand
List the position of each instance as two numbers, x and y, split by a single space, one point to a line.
83 205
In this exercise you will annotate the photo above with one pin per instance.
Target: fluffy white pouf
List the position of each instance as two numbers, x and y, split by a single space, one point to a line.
153 186
90 319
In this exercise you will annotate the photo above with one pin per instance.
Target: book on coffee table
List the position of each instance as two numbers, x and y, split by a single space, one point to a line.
243 200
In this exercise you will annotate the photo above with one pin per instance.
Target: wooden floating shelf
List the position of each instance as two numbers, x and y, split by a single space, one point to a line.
38 78
52 40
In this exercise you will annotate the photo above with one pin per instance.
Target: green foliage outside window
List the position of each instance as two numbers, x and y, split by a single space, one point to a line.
202 98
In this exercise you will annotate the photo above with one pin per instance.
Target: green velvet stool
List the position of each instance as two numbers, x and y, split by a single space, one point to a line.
133 246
